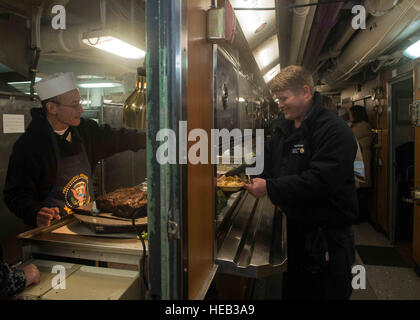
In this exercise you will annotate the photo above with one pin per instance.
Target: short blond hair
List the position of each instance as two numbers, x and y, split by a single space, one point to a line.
292 78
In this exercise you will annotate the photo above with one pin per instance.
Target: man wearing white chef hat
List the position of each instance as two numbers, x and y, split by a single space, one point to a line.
50 169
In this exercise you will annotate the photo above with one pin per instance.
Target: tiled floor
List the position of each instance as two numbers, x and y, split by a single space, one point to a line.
385 282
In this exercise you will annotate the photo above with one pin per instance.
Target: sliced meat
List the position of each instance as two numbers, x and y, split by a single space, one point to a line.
124 202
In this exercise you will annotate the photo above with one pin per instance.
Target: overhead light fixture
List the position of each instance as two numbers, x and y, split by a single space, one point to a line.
261 27
272 73
97 85
251 16
89 77
105 40
413 51
24 82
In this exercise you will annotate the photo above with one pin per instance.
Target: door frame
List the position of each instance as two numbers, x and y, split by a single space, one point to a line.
392 188
166 64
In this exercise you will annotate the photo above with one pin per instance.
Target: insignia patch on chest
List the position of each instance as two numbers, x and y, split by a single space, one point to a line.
298 149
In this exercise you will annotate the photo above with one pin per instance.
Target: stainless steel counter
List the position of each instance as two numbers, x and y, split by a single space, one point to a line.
61 240
251 238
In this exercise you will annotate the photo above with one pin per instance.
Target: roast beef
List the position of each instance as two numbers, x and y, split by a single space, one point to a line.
124 202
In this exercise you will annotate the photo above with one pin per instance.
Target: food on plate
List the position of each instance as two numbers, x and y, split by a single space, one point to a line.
123 202
231 182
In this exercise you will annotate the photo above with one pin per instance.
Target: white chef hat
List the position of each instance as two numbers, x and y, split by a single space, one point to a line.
55 84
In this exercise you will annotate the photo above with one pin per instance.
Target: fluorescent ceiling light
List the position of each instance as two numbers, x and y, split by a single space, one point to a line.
24 82
272 73
261 27
113 45
89 77
413 51
90 85
267 53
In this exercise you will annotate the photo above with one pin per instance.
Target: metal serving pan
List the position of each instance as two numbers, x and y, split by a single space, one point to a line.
104 222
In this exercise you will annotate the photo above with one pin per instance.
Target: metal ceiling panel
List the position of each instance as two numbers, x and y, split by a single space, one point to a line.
267 54
252 20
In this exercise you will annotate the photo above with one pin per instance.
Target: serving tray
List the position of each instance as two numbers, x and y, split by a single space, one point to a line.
104 222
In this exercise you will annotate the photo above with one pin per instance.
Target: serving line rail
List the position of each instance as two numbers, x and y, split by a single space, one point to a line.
59 240
251 237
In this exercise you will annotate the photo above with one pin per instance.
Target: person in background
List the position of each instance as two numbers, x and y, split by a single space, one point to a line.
363 132
343 113
14 280
309 175
329 104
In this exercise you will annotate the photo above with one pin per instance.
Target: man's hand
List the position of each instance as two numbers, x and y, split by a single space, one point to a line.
32 275
258 188
46 215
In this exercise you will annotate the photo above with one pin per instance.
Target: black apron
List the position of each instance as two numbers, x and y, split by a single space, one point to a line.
73 186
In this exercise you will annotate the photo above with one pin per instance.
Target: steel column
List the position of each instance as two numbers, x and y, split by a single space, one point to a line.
166 104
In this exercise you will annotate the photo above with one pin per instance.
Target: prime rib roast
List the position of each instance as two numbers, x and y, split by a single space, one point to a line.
124 202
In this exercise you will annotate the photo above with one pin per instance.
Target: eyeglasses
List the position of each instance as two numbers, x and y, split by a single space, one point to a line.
73 106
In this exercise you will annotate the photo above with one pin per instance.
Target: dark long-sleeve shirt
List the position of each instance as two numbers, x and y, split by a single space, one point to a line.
309 171
12 280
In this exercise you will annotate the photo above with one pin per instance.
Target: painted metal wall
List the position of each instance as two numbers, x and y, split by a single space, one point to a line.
10 225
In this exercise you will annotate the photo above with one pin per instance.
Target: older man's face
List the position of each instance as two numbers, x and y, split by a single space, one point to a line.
69 108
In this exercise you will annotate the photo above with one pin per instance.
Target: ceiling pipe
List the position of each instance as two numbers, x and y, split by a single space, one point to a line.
325 88
379 36
298 27
336 49
379 7
63 41
306 32
283 18
325 18
17 11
